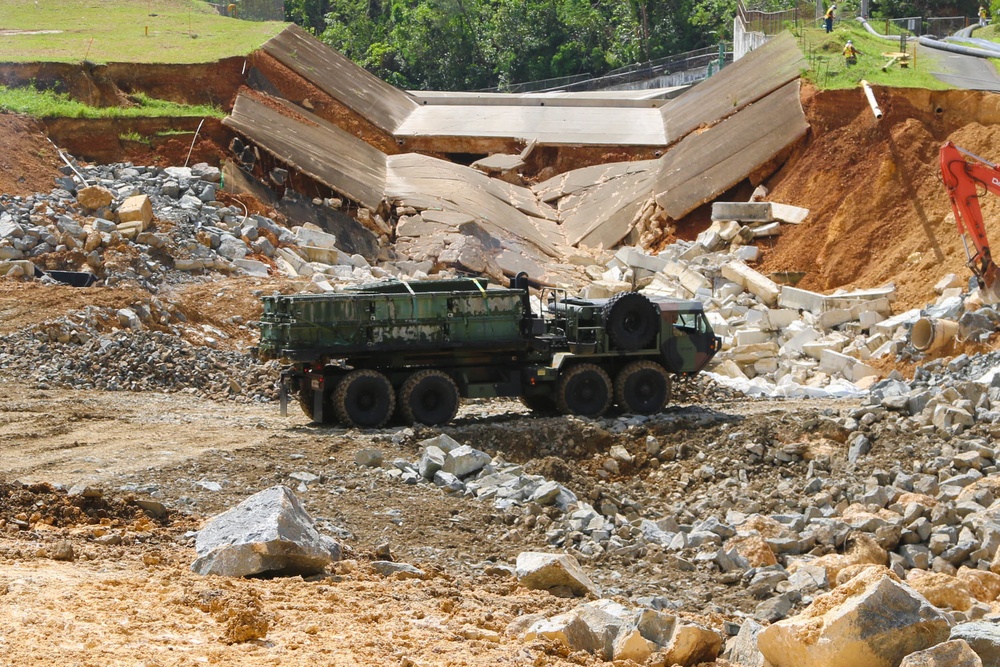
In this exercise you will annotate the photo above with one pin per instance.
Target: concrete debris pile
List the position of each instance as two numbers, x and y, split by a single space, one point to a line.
135 225
779 340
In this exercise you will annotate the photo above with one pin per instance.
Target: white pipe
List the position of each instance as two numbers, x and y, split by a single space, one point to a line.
871 100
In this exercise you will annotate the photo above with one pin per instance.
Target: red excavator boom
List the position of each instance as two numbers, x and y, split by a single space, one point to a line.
963 173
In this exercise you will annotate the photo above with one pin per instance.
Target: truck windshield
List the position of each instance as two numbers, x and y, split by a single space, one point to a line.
693 322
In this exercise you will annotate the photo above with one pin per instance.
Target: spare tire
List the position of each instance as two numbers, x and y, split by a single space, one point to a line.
631 321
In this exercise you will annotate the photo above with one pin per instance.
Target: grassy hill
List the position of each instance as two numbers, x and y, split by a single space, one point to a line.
142 31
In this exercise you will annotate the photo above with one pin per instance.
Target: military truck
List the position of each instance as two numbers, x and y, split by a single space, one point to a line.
413 350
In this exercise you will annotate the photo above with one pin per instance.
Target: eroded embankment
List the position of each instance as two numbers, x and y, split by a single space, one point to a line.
879 212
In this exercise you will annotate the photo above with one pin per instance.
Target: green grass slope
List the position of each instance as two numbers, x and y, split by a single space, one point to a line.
140 31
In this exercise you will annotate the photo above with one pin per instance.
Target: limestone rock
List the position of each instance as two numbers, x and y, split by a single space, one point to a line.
742 649
542 571
94 197
267 532
136 209
954 653
941 590
465 460
983 637
871 621
690 645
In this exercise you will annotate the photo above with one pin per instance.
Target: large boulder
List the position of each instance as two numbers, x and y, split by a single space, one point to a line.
267 532
553 572
873 620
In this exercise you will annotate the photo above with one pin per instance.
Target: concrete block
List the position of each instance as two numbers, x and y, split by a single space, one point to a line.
800 299
136 209
792 215
869 318
692 281
830 319
748 354
305 236
889 325
742 211
764 231
252 267
17 268
779 319
718 322
949 281
728 288
729 230
753 281
794 345
636 258
748 253
748 336
729 368
694 250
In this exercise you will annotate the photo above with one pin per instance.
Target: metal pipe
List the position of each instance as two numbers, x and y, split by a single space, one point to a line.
871 100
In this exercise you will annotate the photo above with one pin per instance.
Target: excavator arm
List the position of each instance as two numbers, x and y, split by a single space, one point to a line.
963 173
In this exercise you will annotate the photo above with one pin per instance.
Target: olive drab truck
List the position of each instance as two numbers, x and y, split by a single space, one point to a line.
412 350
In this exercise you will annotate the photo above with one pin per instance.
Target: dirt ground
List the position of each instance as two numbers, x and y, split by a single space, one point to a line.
127 597
132 600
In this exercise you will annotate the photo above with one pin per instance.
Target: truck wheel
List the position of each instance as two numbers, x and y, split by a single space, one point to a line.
631 321
306 403
543 403
428 397
585 390
642 388
364 398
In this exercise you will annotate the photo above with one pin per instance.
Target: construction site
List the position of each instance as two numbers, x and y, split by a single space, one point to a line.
822 492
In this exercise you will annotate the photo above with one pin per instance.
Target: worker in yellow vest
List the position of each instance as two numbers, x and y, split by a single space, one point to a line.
829 17
850 53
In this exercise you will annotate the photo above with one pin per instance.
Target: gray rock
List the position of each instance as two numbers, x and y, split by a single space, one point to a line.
774 609
543 571
742 649
953 653
983 637
465 460
267 532
368 458
388 568
431 460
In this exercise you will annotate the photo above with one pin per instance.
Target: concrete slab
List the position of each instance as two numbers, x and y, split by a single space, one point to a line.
364 93
704 165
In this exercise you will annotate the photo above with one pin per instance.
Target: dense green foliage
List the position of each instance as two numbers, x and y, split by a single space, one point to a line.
469 44
475 44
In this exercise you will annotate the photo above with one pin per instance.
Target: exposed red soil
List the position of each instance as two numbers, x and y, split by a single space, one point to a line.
878 210
28 162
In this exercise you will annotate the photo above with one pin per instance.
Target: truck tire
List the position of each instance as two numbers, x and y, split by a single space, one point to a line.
540 403
306 403
364 398
585 390
429 398
631 321
642 388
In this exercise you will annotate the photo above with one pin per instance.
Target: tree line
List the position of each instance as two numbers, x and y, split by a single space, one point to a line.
478 44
